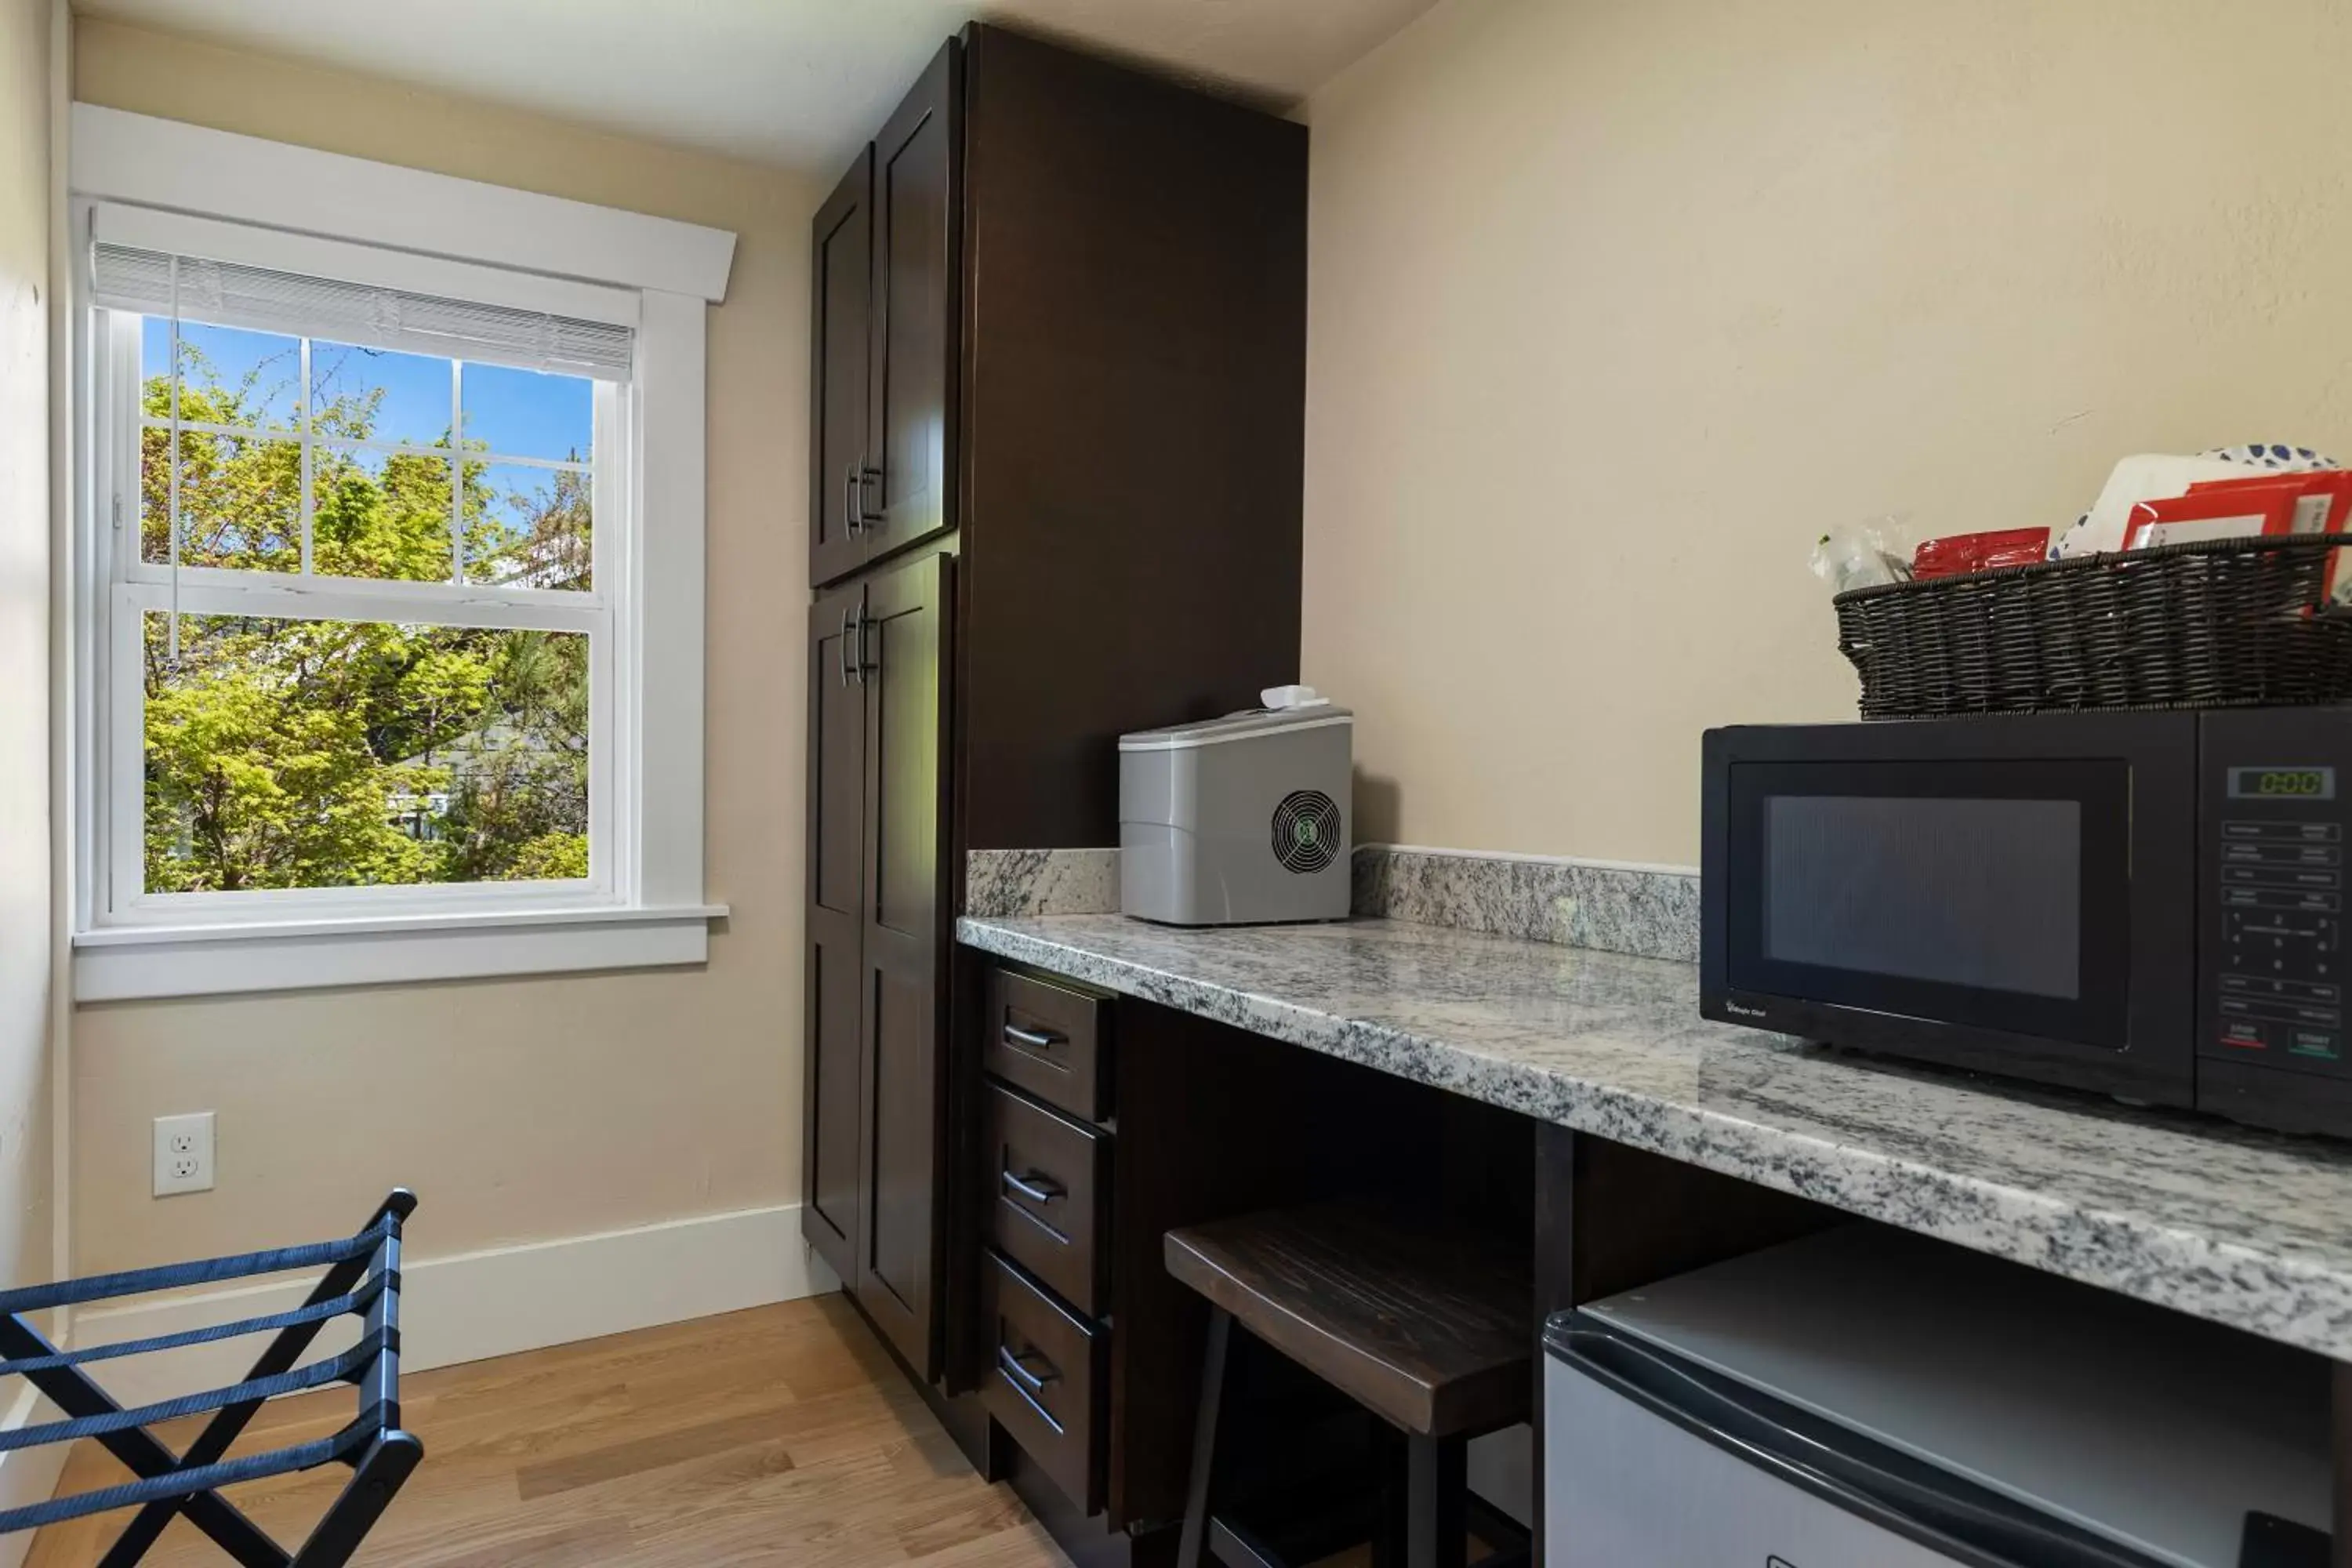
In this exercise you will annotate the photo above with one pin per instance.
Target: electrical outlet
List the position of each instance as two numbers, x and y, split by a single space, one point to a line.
184 1153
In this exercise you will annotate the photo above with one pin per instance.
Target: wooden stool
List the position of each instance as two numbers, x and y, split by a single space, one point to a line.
1431 1332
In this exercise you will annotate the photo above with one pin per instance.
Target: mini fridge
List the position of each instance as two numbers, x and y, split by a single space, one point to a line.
1864 1398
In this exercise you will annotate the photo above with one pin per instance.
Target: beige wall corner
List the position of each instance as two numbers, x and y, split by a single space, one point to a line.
25 912
27 917
1615 305
61 453
538 1109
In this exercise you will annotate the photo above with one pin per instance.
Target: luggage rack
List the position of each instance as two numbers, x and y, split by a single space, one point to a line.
361 1280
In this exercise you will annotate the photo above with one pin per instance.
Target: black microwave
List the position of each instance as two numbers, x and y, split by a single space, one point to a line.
2148 905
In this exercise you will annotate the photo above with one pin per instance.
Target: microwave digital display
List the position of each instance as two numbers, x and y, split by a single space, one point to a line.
2283 783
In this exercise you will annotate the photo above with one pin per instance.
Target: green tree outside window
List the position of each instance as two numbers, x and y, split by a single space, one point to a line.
282 753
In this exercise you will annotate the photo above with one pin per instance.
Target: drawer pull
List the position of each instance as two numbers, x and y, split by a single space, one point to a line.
1015 1369
1035 1186
1039 1411
1050 1042
1034 1039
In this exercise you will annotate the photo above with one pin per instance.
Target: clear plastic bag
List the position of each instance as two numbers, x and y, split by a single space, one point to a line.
1865 555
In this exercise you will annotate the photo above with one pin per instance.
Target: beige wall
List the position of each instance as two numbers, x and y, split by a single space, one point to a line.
1615 304
538 1108
24 916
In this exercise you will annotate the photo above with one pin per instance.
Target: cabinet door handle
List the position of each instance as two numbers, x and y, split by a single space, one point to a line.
1036 1186
853 515
1034 1039
1015 1368
869 477
853 645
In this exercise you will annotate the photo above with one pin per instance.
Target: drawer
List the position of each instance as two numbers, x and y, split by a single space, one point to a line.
1043 1370
1051 1040
1049 1185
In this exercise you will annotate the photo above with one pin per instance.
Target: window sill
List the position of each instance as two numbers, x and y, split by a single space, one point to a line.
122 964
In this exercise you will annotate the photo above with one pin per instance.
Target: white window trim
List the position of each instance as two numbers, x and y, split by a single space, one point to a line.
135 588
167 163
456 237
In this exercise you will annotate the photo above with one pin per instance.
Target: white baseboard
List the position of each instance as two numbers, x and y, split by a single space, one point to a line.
27 1476
494 1302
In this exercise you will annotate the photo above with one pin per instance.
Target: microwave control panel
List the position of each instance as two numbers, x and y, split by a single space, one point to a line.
2276 792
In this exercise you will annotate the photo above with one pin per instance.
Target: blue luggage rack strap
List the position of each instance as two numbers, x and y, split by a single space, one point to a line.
361 1280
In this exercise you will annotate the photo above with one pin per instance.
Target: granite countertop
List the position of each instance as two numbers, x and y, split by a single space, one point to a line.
2241 1227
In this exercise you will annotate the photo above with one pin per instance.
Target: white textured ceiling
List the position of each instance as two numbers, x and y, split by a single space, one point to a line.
797 83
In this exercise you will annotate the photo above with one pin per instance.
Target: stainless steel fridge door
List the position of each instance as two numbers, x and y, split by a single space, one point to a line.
1652 1461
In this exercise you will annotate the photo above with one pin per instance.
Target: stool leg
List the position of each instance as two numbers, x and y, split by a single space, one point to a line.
1191 1545
1437 1490
1387 1542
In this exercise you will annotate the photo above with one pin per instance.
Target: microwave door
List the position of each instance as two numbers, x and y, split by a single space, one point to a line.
1990 895
2007 894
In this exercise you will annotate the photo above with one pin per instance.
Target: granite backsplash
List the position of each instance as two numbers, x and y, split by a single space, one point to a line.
1646 911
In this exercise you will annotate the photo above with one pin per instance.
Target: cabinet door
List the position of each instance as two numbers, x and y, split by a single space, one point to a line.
834 1100
907 656
918 181
841 340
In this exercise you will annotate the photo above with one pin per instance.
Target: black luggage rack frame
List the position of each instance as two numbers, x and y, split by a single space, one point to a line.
361 1280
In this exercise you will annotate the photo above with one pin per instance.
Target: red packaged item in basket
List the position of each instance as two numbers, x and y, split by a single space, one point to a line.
2232 511
1958 552
2013 547
2320 502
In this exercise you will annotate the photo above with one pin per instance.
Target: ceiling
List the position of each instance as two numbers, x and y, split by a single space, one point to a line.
795 82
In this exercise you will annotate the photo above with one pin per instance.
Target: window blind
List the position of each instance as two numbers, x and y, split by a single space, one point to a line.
235 294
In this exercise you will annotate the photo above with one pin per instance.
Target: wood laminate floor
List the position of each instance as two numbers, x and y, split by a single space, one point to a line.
781 1434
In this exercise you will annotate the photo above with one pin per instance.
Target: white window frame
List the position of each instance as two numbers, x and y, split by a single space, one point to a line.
238 199
137 587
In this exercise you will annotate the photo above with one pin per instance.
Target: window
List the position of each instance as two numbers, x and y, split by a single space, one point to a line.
388 599
356 592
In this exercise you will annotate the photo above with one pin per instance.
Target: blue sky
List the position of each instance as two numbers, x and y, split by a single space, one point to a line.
519 413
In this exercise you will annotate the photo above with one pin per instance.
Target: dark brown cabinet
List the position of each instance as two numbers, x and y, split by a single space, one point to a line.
916 170
905 635
841 338
1044 1176
883 275
1192 1121
877 683
1058 383
833 1080
1044 1379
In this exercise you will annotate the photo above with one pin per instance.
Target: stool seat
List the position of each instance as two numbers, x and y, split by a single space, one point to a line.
1432 1330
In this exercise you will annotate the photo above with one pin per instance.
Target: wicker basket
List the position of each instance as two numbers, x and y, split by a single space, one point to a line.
2223 623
